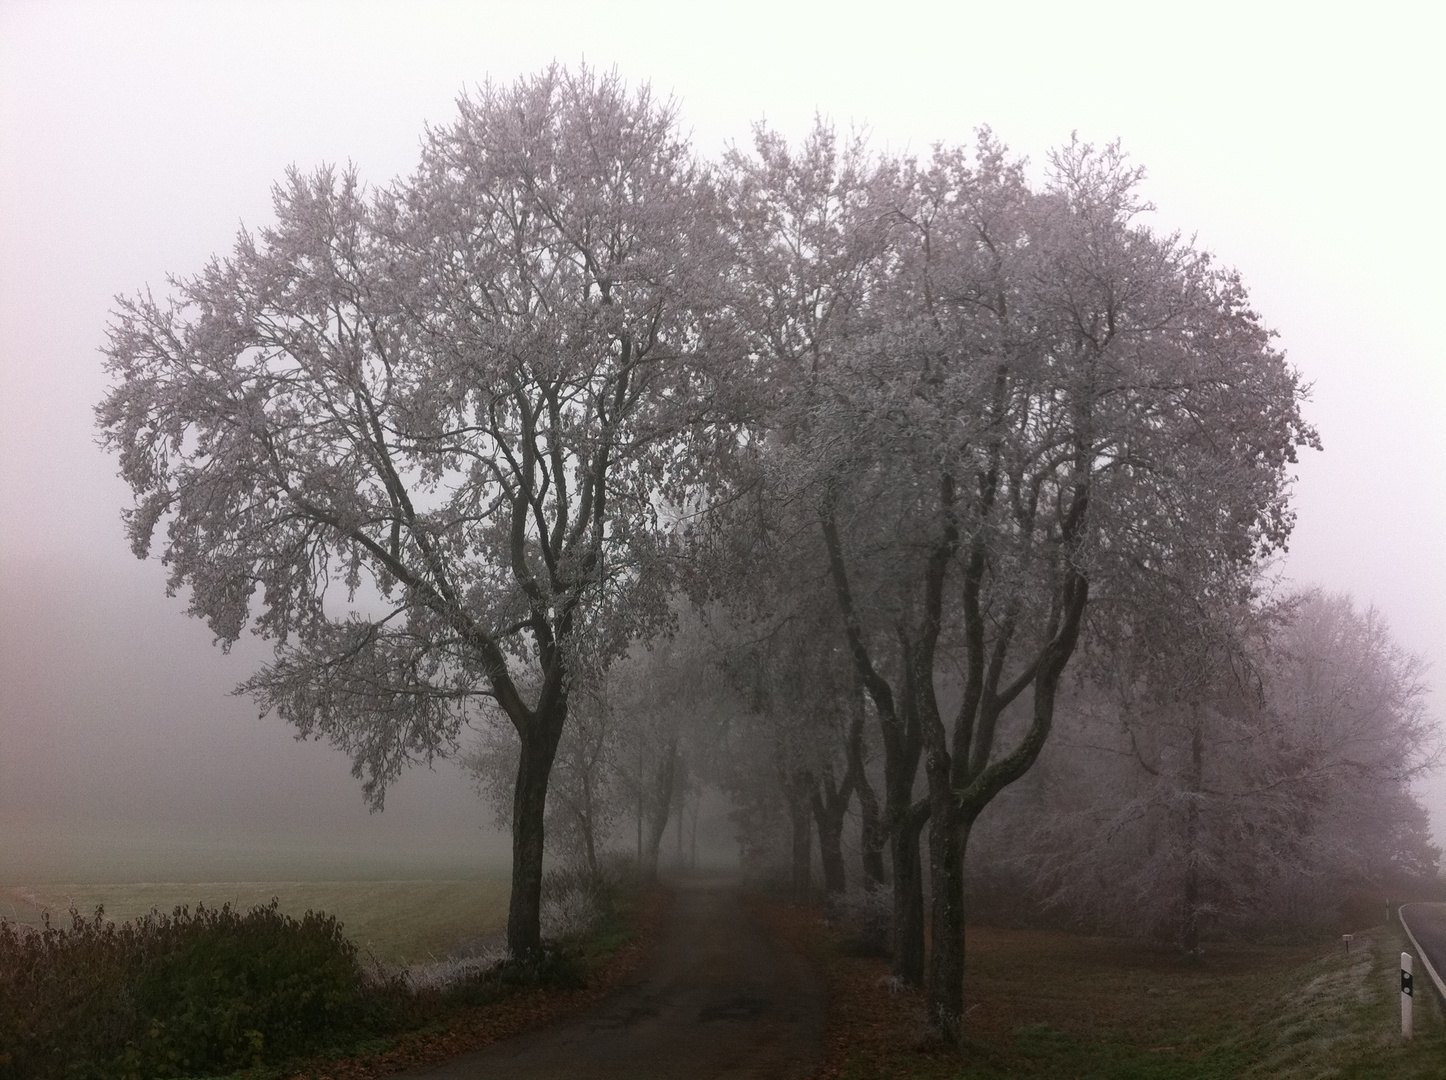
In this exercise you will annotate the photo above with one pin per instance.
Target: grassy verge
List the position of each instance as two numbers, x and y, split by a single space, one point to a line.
1054 1005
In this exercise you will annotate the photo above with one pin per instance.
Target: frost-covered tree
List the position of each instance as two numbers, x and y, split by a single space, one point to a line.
418 437
1034 400
1253 774
1352 703
813 226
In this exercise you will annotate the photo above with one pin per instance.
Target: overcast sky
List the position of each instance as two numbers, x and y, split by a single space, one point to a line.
1302 143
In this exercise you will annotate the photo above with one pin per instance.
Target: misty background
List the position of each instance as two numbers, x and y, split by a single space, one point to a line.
1302 146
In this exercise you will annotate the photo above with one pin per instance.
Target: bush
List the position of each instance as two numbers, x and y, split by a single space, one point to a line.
217 991
173 995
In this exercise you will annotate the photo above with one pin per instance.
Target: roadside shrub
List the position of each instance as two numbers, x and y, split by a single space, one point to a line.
183 994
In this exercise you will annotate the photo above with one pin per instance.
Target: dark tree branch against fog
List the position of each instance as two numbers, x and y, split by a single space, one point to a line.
419 437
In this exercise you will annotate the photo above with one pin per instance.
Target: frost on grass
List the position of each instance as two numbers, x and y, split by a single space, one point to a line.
1330 1016
439 975
573 904
570 915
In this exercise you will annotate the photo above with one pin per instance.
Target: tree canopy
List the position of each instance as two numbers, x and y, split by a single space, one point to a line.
420 437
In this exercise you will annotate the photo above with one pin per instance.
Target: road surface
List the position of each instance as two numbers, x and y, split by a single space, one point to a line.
717 999
1427 923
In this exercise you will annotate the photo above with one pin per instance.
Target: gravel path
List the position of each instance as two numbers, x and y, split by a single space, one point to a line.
717 1000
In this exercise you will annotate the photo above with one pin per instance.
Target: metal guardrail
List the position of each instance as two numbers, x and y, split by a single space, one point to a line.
1430 968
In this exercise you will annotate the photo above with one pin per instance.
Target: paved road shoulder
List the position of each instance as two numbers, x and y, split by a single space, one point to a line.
1425 924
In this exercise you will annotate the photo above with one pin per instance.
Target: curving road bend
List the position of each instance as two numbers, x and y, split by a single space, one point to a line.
716 1000
1426 922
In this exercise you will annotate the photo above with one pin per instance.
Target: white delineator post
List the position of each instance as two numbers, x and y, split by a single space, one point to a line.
1406 995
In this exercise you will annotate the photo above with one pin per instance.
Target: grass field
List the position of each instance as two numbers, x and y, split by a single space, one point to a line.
1103 1008
397 921
1069 1007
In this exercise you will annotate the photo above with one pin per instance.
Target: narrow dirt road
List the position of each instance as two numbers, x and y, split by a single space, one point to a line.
716 1000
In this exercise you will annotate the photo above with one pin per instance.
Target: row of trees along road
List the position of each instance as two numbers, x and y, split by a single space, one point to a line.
457 443
993 404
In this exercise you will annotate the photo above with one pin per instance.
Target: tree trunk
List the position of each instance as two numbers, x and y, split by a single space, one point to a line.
905 822
680 787
874 837
529 807
908 899
829 812
662 804
693 832
591 846
642 786
948 836
1190 936
962 782
586 824
801 821
680 816
902 745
